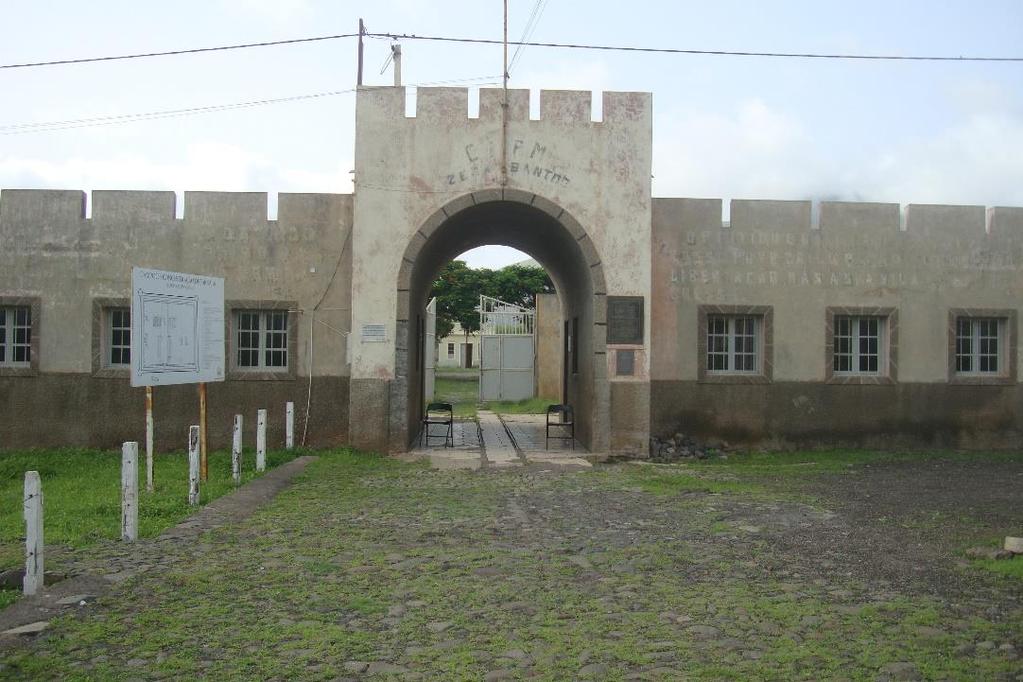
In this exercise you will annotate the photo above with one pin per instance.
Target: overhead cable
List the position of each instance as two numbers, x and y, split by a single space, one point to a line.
672 50
520 44
43 126
194 50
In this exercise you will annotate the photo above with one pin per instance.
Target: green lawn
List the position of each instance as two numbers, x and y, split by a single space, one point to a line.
82 494
464 396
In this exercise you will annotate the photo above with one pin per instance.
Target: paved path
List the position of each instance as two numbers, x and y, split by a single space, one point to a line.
501 441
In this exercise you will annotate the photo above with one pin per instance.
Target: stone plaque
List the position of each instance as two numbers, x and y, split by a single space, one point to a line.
625 319
625 363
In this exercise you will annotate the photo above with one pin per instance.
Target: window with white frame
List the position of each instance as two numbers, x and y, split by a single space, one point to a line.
15 336
733 344
451 350
859 344
118 335
261 339
980 345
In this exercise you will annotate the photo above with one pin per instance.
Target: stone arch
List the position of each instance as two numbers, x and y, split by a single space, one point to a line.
547 232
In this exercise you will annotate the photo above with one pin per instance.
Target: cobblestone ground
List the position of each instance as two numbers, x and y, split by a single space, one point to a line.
369 568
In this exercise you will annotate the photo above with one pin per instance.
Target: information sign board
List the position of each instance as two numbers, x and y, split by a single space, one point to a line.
177 328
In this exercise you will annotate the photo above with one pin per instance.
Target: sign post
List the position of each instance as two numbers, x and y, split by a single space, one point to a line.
177 335
149 439
203 471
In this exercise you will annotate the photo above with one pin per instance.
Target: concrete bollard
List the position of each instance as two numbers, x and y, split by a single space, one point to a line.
33 581
193 465
261 440
236 450
130 491
289 425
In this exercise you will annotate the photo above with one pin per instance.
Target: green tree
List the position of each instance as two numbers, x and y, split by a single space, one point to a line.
458 288
518 284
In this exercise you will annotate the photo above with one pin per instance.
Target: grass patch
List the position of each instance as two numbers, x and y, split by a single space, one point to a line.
463 395
802 462
527 406
82 494
661 483
1012 568
464 398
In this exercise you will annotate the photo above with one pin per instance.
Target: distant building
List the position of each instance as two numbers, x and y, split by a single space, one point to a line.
458 349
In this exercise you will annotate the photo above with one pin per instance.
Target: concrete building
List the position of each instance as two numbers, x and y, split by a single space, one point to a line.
794 324
459 349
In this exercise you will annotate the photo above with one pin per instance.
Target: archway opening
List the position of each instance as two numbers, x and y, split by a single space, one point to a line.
561 247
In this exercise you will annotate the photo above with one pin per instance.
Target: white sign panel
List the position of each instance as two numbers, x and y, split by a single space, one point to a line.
177 328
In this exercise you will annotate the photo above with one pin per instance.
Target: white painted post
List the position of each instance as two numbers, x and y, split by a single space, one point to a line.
149 439
289 426
130 491
33 533
236 450
261 440
193 465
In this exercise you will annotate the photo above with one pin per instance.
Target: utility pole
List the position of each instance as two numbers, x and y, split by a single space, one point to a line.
362 32
504 104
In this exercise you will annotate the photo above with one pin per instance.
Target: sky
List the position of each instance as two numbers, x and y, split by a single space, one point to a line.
724 126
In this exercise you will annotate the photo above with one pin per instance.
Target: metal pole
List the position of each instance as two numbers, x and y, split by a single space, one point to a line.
396 56
504 105
203 470
362 31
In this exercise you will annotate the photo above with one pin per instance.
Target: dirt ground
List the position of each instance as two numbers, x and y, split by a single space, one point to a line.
845 567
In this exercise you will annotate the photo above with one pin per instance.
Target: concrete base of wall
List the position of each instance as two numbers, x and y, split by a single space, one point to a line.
786 415
630 417
369 420
61 410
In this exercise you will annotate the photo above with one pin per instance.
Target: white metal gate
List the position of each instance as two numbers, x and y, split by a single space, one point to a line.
507 350
430 351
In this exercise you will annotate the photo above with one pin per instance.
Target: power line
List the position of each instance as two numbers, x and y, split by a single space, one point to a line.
527 33
95 121
195 50
671 50
519 44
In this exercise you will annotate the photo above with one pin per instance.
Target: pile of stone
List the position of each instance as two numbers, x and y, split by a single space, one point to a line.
1013 548
681 447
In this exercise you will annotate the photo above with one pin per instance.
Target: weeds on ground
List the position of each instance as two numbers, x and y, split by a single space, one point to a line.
82 494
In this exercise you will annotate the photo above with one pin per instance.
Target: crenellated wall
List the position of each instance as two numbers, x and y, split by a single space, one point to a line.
575 193
412 169
51 251
799 260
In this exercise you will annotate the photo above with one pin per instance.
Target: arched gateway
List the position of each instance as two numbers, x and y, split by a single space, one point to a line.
574 194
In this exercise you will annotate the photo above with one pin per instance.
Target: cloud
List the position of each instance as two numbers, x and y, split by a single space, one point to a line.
975 162
752 152
756 151
207 166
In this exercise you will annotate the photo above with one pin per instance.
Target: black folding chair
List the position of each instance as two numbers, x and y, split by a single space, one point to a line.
439 414
564 418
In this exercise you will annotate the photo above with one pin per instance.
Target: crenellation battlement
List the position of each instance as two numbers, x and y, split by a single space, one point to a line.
935 220
1004 221
44 206
60 209
566 106
133 205
443 104
916 220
